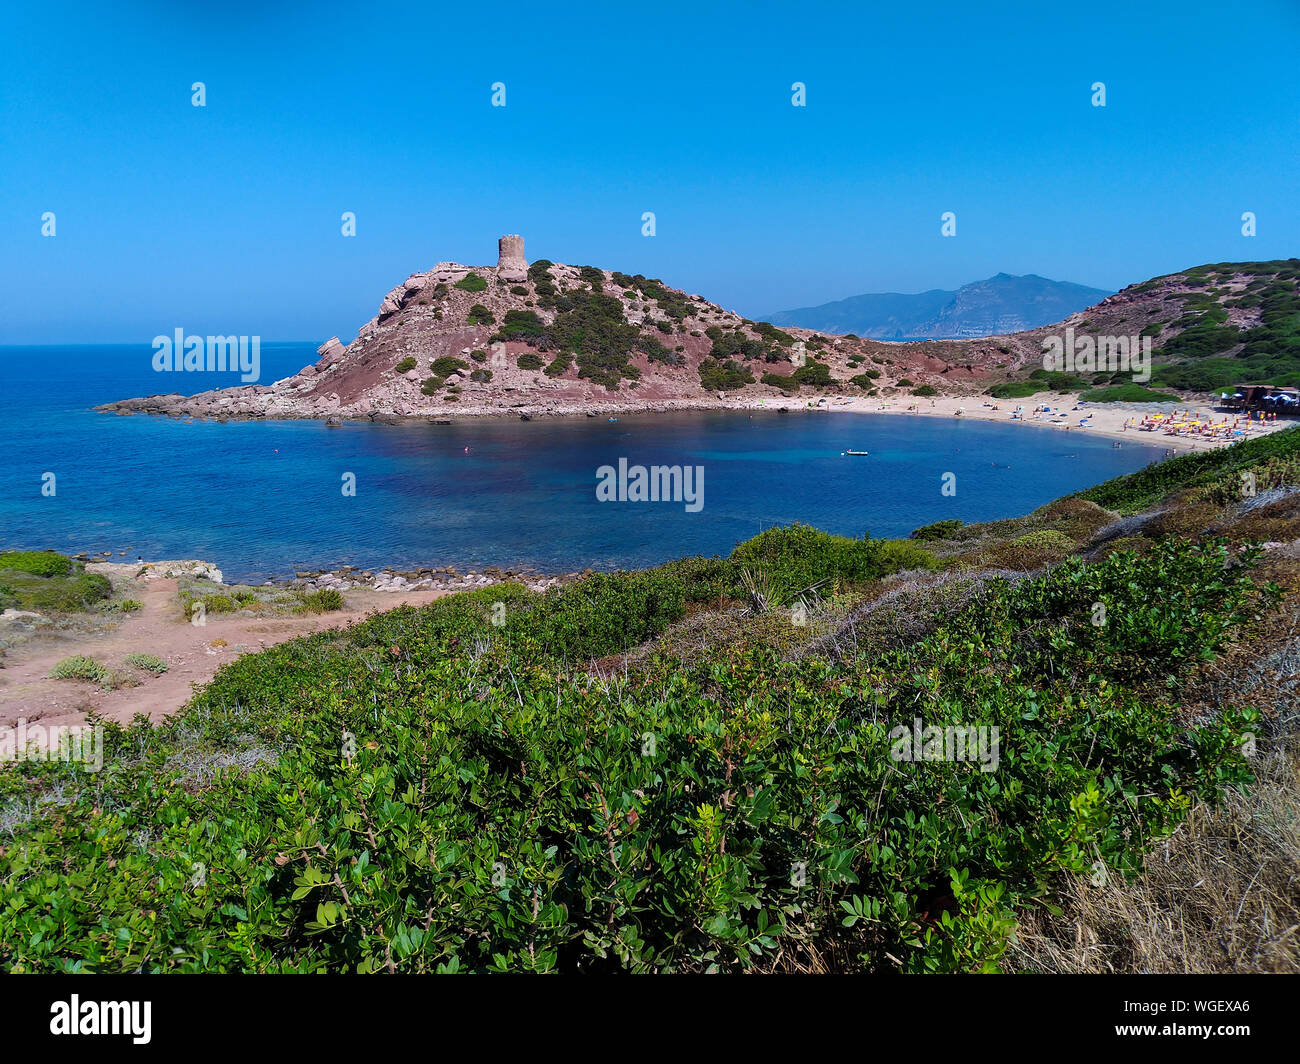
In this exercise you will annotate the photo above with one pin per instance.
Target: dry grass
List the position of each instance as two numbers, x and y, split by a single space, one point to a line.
1220 895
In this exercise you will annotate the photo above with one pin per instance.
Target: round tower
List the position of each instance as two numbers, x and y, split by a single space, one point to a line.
511 264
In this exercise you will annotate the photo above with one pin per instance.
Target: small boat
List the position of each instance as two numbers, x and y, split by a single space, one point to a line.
843 453
611 419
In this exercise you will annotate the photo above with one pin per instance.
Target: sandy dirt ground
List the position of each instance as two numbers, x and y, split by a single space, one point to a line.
159 628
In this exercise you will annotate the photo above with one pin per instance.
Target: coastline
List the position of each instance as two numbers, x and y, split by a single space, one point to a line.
1106 419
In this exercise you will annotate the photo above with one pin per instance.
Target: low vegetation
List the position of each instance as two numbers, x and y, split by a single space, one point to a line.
148 662
472 282
47 582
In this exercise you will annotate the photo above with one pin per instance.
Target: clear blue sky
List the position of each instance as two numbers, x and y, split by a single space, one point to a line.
226 218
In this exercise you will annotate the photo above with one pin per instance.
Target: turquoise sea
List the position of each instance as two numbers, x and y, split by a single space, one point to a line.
265 498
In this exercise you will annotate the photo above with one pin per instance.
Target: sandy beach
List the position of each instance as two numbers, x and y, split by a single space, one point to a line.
1104 419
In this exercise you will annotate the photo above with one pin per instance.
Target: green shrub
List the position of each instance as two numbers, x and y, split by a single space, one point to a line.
815 373
657 352
480 315
559 365
1048 539
430 385
405 366
147 662
925 390
529 360
478 355
936 530
520 325
80 667
38 563
723 376
472 282
1127 393
326 600
72 594
447 365
904 383
774 380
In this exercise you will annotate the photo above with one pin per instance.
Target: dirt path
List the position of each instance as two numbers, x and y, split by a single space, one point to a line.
158 628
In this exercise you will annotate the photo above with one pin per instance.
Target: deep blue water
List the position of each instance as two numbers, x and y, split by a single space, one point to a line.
262 499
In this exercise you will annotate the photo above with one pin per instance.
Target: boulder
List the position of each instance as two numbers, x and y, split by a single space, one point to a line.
331 350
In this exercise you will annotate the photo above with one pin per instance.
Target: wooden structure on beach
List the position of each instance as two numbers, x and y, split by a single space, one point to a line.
1262 397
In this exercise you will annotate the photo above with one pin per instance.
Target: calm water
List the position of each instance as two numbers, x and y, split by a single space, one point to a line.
262 499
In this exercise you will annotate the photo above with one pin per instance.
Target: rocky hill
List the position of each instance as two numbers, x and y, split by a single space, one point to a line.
519 339
999 305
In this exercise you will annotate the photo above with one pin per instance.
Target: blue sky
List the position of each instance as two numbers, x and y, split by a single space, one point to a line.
227 217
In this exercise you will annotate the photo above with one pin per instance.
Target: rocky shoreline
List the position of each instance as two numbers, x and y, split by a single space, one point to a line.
201 407
345 578
446 578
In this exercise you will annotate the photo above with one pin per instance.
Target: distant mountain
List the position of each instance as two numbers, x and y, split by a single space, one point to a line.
1002 304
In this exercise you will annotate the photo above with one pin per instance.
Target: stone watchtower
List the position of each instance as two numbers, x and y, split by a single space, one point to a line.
511 264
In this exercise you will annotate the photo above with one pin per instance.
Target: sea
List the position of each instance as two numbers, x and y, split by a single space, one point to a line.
265 499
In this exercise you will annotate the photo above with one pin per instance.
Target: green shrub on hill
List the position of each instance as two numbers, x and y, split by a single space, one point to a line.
937 530
472 282
447 365
519 325
723 376
70 595
787 384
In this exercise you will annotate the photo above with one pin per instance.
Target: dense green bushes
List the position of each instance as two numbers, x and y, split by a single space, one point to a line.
937 530
426 793
49 583
723 376
38 563
519 325
1126 393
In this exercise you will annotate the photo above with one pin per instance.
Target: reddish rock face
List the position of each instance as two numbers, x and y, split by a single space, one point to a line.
440 327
